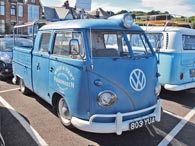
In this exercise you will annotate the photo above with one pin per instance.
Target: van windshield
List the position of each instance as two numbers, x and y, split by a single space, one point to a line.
156 39
106 44
114 44
139 44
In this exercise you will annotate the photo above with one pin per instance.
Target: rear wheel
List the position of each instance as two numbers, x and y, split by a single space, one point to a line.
64 113
23 88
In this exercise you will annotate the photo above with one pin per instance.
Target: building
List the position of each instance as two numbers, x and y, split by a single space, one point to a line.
98 13
14 12
59 13
64 13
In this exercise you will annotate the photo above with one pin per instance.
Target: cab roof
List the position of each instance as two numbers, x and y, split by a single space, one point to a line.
88 24
168 29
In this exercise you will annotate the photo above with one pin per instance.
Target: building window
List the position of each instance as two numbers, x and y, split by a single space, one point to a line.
33 13
2 8
33 1
2 26
20 11
13 10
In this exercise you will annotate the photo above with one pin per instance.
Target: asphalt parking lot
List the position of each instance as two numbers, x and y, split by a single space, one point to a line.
28 120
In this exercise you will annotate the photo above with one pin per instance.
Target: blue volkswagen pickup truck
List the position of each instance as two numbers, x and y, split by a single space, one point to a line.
99 75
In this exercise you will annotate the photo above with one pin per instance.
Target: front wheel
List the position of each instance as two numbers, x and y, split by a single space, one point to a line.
64 113
23 88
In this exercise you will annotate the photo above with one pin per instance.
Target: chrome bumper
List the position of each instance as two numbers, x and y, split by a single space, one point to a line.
119 126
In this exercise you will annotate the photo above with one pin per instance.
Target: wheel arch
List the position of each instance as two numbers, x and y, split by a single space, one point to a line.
55 98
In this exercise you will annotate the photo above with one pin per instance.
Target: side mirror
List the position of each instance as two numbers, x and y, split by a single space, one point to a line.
158 46
74 47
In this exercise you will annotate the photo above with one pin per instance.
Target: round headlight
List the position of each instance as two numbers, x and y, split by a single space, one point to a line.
127 20
157 89
106 98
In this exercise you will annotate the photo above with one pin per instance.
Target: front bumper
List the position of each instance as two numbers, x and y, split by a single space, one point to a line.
119 126
179 87
6 71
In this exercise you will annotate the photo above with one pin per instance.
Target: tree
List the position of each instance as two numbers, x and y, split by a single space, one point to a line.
122 12
153 12
192 18
7 28
193 24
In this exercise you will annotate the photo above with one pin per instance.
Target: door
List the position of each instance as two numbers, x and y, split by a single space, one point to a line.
41 65
68 73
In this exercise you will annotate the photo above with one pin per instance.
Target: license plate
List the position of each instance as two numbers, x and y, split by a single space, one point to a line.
141 123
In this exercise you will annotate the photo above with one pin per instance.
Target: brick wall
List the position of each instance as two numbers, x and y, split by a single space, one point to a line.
9 20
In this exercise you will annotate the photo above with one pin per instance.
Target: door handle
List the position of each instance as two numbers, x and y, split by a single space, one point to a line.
38 66
51 69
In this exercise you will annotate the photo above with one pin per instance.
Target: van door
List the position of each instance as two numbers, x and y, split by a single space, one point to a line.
41 65
68 73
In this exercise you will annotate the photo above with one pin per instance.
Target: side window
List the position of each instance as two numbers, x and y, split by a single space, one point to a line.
78 36
44 42
188 42
61 44
156 39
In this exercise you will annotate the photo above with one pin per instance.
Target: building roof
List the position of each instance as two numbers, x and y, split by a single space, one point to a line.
50 13
98 13
56 13
62 12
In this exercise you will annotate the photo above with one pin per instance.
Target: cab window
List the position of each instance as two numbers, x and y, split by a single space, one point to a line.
44 42
61 44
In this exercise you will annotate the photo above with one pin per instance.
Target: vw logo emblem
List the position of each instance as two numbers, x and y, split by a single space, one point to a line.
137 80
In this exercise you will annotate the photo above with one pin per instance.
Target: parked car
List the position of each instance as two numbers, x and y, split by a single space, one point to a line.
6 48
176 55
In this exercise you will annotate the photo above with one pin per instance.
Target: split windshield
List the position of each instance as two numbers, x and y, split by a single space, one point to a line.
116 44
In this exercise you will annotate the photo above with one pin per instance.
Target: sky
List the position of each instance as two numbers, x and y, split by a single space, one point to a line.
177 7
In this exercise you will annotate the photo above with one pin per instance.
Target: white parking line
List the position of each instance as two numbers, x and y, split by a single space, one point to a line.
4 91
33 133
172 114
177 128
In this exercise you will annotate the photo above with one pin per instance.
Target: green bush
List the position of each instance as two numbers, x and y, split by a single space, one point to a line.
193 24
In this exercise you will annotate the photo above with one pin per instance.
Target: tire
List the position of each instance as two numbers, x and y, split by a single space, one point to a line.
64 113
23 88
